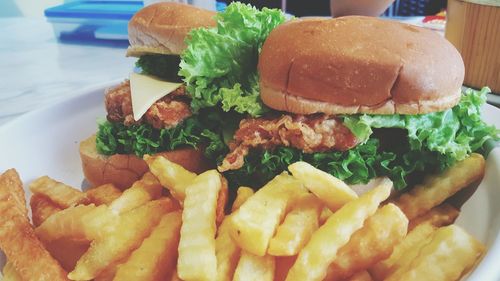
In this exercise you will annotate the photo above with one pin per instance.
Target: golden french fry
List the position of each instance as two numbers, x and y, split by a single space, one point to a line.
450 253
254 223
252 267
82 222
156 257
332 191
403 252
107 274
171 175
402 264
442 215
226 252
144 190
313 260
88 222
221 202
63 195
242 194
437 188
9 273
11 181
283 265
42 208
175 276
197 260
297 228
325 214
17 237
103 194
67 251
372 243
175 178
131 229
360 276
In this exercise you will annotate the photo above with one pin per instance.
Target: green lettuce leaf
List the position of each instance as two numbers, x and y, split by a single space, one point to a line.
197 132
219 65
455 132
402 147
358 165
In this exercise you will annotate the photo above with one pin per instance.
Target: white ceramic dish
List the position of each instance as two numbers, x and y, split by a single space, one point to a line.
494 99
45 142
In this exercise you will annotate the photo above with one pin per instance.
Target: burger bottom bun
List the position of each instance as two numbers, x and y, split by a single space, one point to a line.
282 101
123 170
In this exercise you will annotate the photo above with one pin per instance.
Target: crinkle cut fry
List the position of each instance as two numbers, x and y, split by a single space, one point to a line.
155 259
41 209
372 243
321 250
63 195
129 232
10 273
103 194
12 182
17 237
437 188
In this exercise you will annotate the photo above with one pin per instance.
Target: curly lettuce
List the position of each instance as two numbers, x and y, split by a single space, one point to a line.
197 132
358 165
455 132
219 65
402 147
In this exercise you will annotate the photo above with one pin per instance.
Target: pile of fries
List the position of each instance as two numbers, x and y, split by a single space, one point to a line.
171 225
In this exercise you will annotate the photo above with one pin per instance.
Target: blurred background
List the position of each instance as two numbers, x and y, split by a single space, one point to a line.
27 8
12 8
95 21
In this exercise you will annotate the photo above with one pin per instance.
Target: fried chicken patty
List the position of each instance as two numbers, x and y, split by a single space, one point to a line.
167 112
309 133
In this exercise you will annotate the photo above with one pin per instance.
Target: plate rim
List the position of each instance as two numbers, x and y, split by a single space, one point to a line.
88 90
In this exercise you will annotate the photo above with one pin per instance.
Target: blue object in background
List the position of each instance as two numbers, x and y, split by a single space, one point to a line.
220 6
92 20
95 21
112 10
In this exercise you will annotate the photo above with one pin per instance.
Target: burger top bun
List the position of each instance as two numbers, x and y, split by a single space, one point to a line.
162 27
358 64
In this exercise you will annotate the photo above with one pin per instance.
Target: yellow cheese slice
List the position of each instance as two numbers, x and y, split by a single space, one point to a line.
146 90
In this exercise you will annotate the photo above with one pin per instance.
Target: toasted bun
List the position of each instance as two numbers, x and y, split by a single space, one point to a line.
122 170
162 27
358 65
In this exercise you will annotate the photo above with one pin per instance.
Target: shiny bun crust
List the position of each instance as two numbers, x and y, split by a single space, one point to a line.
162 27
122 170
358 65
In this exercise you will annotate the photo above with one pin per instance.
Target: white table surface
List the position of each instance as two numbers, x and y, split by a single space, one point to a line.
36 69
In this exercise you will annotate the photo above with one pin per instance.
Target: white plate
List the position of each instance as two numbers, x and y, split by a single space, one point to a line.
45 142
494 99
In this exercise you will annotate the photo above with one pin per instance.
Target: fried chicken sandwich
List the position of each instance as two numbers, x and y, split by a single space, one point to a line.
150 113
